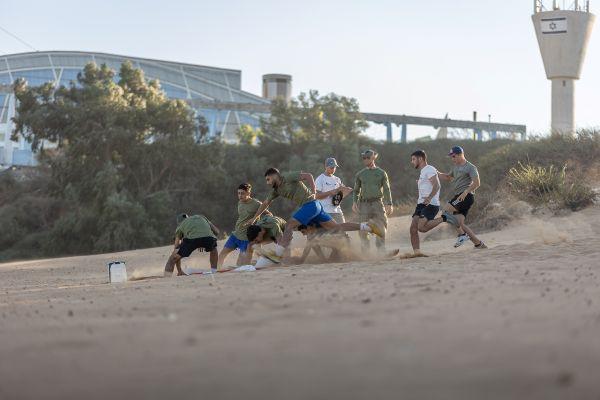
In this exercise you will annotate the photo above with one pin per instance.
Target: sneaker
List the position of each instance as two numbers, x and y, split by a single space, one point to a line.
481 245
449 218
375 229
461 240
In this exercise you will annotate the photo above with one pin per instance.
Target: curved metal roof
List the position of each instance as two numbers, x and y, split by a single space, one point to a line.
179 80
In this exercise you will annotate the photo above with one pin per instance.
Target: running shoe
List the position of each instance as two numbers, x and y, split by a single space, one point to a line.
461 239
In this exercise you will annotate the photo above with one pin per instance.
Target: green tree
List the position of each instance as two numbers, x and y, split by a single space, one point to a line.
314 118
117 145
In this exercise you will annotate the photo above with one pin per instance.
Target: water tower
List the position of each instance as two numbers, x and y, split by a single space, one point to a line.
277 86
563 29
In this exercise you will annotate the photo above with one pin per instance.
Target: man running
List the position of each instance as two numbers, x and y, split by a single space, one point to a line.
331 191
428 203
195 232
372 197
465 180
292 186
247 207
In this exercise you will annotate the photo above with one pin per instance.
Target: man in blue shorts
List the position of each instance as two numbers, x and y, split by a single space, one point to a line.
291 185
247 207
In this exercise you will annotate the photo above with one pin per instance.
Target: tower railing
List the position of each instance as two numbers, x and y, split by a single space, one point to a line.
573 5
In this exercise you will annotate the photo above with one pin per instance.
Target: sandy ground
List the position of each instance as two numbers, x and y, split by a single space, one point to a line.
519 321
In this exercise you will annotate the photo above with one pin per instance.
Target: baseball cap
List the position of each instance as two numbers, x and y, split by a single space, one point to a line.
368 153
331 162
456 150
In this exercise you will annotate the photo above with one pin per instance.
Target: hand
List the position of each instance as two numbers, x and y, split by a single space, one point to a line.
389 209
355 207
248 223
427 200
462 196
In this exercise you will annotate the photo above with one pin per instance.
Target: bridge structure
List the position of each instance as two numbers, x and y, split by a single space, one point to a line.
389 120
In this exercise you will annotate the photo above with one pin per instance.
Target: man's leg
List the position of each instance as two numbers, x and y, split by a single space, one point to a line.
214 258
378 210
288 233
173 260
364 215
223 255
414 235
467 230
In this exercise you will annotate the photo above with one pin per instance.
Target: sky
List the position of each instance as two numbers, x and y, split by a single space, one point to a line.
424 57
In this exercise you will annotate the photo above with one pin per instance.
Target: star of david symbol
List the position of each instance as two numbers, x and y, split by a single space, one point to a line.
553 25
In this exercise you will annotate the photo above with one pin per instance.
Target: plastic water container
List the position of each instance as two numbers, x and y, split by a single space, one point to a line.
117 272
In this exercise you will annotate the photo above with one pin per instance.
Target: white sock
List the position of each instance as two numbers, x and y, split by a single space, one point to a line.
365 227
279 250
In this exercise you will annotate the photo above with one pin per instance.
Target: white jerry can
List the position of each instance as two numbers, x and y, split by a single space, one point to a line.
117 272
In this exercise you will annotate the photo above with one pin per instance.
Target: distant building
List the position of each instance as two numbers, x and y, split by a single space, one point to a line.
178 80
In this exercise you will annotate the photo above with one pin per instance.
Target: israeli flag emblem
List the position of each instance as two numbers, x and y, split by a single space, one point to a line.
554 25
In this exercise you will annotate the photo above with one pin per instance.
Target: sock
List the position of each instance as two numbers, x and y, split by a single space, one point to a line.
279 250
365 227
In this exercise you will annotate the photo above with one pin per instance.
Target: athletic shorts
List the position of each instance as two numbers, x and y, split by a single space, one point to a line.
311 212
234 243
428 211
464 206
187 246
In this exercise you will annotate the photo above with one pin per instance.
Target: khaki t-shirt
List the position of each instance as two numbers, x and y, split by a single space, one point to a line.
194 227
292 188
273 225
246 212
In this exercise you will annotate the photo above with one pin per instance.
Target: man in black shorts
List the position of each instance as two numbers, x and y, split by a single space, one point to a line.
195 232
428 204
465 180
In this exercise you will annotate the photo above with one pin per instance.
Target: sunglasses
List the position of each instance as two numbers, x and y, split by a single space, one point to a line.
366 157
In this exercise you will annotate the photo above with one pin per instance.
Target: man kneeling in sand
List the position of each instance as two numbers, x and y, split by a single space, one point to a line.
195 232
268 229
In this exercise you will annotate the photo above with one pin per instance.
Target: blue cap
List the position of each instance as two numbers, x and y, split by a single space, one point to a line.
331 162
456 150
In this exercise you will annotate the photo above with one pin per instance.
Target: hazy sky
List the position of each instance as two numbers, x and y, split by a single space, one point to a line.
425 57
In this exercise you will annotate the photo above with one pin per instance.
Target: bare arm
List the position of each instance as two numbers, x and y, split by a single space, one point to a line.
308 178
213 228
445 177
474 185
260 210
436 187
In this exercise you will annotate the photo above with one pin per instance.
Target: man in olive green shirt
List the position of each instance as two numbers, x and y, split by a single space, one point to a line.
372 197
268 229
291 185
247 207
195 232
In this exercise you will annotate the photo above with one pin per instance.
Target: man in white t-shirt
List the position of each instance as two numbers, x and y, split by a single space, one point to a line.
331 191
428 204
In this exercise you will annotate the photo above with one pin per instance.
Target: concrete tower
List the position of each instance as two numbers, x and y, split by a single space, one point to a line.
277 86
563 35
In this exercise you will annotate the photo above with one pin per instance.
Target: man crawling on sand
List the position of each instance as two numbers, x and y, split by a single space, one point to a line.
195 232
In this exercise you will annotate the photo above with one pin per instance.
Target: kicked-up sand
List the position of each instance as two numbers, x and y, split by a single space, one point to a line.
518 321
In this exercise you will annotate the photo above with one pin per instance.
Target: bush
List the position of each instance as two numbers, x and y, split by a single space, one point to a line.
549 185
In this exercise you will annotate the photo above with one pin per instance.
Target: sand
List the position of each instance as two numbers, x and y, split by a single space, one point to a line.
518 321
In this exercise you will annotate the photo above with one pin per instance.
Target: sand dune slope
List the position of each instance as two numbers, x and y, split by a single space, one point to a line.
519 321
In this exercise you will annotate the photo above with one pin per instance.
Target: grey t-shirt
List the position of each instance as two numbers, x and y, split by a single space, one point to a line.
463 176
